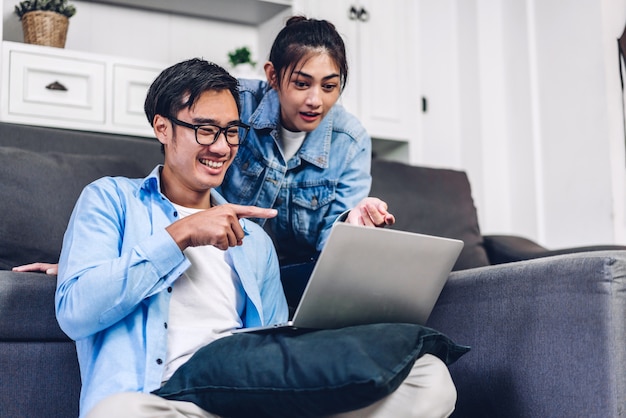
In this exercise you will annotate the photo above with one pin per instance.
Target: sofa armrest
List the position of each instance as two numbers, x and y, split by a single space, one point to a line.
509 248
27 307
547 336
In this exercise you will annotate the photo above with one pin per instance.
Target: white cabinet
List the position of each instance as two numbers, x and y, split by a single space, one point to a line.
74 90
50 87
381 90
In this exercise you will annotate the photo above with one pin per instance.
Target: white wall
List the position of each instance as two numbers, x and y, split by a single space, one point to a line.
524 95
557 85
613 22
267 33
575 145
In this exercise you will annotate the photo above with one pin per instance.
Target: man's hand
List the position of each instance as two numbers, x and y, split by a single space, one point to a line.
370 211
218 226
39 267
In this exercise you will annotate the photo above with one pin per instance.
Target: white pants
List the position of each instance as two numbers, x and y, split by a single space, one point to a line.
428 391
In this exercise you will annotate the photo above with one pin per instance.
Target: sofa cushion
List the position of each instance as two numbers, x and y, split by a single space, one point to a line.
27 308
304 374
37 195
431 201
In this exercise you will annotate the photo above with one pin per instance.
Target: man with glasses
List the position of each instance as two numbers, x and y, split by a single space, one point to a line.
153 269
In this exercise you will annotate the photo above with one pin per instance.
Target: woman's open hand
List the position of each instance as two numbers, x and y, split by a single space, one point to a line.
371 211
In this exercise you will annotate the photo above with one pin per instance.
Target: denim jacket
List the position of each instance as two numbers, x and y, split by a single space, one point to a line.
328 176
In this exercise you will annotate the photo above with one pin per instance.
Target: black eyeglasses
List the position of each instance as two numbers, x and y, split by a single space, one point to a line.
207 134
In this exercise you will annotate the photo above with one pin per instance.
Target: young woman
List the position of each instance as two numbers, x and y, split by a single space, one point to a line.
305 155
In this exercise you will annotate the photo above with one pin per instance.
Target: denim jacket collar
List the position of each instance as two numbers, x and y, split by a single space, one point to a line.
267 116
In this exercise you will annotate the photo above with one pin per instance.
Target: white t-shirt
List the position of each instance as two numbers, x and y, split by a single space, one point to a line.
290 142
207 303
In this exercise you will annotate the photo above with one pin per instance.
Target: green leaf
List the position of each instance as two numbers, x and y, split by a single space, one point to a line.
58 6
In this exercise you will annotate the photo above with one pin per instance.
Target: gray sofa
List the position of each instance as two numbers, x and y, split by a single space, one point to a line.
547 334
43 171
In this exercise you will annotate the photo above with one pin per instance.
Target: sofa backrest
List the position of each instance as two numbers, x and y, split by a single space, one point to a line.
431 201
43 171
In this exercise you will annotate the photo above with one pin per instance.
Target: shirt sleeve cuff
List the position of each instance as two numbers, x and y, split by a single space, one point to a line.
162 252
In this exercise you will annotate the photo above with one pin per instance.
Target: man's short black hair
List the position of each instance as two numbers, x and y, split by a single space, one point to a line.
179 86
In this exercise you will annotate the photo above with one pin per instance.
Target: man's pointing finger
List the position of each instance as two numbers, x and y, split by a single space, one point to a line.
254 212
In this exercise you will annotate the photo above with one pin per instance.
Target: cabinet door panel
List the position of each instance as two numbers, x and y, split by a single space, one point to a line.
130 85
384 62
56 87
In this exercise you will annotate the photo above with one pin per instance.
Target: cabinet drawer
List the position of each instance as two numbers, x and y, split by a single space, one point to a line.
130 85
53 87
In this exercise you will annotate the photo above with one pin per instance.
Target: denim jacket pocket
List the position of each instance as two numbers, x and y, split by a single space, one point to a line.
310 205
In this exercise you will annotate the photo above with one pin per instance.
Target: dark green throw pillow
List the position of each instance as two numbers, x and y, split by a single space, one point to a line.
304 373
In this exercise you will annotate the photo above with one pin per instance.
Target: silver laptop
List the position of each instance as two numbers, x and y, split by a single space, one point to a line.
373 275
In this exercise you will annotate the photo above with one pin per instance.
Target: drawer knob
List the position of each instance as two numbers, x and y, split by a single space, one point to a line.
56 86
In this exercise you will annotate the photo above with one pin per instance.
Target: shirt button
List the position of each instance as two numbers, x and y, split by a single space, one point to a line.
159 361
165 325
169 289
314 201
175 214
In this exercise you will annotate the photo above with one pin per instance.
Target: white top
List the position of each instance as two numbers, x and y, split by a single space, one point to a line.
290 142
207 302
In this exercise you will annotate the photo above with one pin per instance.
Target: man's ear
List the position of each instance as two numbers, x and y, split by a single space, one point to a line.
270 74
162 129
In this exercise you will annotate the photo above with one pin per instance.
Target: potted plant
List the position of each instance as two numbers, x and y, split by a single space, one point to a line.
45 22
241 63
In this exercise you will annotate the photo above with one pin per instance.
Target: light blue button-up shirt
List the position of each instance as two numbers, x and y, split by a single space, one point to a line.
329 175
116 271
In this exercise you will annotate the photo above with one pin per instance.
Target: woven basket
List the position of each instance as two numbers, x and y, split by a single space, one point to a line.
45 28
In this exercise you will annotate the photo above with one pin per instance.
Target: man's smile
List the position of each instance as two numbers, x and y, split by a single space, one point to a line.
211 163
